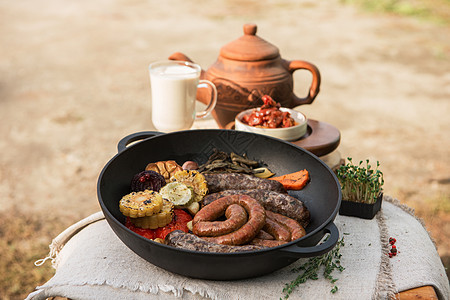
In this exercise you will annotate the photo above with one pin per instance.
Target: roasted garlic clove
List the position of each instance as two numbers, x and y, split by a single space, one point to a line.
166 168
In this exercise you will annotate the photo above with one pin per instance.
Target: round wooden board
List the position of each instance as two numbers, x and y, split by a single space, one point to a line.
321 138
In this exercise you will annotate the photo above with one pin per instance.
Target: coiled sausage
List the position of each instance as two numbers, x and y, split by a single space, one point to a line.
277 202
256 220
206 226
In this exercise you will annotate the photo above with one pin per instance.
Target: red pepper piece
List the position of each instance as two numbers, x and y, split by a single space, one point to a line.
179 222
147 233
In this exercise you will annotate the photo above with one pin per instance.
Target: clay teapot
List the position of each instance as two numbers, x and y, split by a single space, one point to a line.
247 69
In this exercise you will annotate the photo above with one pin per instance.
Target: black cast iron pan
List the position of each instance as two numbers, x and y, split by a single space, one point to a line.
322 196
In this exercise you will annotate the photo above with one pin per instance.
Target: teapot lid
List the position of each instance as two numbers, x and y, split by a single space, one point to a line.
249 47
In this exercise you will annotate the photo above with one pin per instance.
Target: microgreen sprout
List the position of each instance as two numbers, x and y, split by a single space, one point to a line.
360 183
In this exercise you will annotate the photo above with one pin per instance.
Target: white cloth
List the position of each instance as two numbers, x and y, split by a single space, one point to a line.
95 264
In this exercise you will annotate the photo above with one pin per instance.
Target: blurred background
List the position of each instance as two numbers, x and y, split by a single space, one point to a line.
74 81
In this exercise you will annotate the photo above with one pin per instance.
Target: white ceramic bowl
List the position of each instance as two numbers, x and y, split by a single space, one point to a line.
288 134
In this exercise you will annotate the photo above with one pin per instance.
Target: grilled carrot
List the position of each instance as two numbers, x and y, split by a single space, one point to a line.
293 181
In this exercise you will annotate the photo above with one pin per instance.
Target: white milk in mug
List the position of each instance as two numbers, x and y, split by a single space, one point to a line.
174 88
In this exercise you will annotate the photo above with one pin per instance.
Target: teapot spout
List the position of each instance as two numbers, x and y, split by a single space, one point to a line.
203 95
180 56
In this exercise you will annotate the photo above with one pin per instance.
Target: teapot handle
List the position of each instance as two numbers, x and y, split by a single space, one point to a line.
295 65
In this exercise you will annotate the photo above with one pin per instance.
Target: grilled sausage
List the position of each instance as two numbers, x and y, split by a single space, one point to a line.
264 235
237 181
277 230
277 202
205 226
180 239
256 219
266 243
295 229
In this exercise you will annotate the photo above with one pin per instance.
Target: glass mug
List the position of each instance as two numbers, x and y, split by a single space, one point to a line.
174 89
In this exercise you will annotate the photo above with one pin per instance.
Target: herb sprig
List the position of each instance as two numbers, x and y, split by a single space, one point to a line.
330 261
360 183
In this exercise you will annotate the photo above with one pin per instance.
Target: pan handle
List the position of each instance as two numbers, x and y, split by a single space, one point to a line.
123 143
327 245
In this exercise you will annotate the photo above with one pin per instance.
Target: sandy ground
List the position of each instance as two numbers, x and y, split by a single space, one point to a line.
74 80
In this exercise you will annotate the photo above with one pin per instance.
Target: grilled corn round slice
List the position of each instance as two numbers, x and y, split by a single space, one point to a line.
192 179
141 204
176 192
160 219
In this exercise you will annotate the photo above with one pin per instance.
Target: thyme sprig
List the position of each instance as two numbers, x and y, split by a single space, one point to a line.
360 183
329 261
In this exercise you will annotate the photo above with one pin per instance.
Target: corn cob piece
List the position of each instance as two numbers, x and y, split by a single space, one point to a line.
192 179
141 204
160 219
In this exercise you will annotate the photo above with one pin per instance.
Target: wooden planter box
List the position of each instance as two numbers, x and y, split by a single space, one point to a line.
360 210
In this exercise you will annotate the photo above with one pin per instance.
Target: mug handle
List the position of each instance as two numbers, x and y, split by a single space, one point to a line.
212 102
295 65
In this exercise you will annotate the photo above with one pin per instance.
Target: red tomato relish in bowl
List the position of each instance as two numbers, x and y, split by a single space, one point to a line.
269 115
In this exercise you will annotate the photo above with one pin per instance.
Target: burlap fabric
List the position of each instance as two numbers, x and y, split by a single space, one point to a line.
92 263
